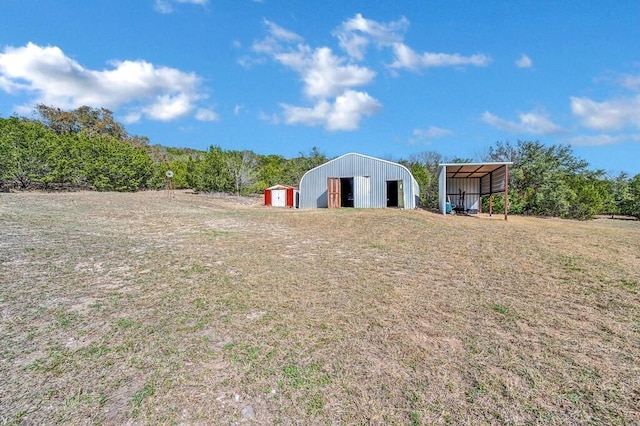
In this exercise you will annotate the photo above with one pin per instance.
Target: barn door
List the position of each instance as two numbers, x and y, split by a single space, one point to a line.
401 194
278 197
333 193
289 197
362 192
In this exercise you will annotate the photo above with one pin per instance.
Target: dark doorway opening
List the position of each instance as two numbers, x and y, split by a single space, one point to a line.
346 192
392 193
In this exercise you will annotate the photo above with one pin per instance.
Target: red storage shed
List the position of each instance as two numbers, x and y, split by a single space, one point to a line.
281 196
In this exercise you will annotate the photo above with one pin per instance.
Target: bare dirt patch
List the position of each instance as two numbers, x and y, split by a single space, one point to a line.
198 309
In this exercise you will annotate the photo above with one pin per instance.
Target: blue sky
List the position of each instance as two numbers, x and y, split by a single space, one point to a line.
387 79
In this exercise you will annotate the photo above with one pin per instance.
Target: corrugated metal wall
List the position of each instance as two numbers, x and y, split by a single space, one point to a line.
442 189
370 176
471 189
496 181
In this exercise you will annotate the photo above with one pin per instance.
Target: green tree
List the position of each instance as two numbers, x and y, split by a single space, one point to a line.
68 170
195 174
28 153
504 152
242 168
592 195
208 173
88 120
271 171
8 151
547 180
114 165
296 167
424 168
619 188
632 205
174 159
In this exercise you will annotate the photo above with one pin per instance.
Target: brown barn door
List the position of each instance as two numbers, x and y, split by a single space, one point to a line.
333 193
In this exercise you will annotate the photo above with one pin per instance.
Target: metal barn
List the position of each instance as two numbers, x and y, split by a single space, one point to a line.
360 181
281 196
464 184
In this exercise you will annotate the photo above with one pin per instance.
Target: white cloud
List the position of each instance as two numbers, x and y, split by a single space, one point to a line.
271 118
614 114
330 79
277 40
324 74
167 107
205 114
407 58
307 116
344 114
328 75
297 59
355 34
534 122
631 82
328 82
132 117
11 86
524 62
602 139
166 6
52 78
163 6
282 34
248 62
427 135
349 109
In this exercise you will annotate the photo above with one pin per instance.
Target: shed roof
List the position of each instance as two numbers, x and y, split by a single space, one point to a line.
355 155
472 170
282 187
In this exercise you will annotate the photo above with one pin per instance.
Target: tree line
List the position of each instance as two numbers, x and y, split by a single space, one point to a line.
87 149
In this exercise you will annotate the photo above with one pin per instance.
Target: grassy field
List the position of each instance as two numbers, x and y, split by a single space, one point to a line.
145 309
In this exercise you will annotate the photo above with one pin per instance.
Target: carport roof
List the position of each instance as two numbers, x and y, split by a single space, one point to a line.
472 170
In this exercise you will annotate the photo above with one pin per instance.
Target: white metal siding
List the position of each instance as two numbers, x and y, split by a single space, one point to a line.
313 185
362 192
442 190
496 180
471 189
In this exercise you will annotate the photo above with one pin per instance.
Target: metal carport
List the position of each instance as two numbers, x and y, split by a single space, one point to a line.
474 180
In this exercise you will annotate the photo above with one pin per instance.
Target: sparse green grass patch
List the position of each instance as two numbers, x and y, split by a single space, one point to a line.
496 307
630 285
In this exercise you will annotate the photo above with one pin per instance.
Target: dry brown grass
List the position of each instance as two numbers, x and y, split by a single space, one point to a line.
139 308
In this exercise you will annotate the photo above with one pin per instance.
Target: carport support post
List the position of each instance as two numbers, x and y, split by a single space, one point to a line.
506 191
